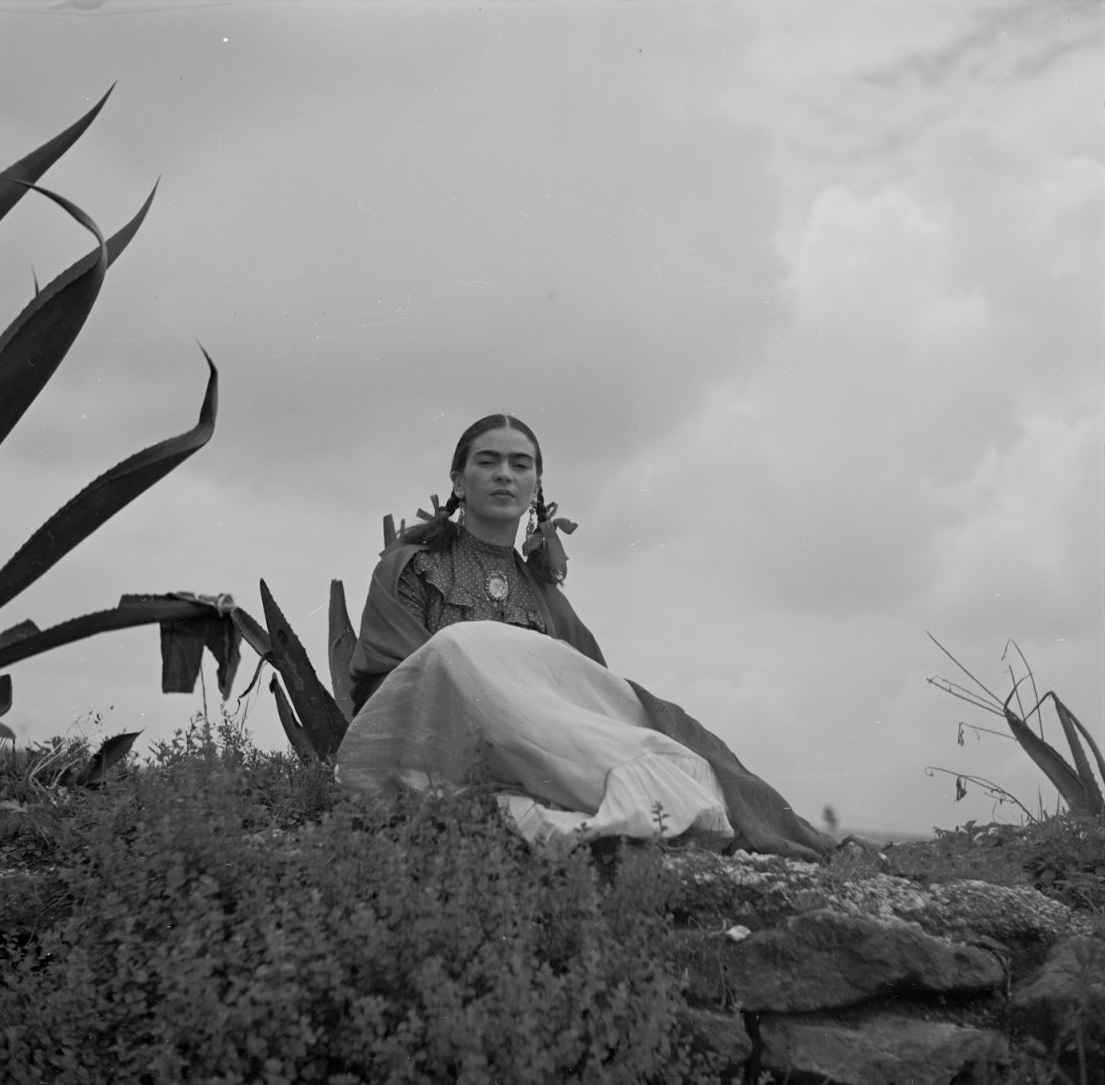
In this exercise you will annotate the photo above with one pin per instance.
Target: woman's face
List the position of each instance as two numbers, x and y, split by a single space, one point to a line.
498 481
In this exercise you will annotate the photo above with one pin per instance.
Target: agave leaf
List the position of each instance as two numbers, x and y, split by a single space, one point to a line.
5 702
342 640
252 632
390 535
95 769
36 342
297 736
105 496
322 720
133 610
34 345
18 632
1051 762
1071 726
31 167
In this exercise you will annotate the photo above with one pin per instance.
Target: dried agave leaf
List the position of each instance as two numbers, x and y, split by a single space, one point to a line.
95 769
182 645
133 610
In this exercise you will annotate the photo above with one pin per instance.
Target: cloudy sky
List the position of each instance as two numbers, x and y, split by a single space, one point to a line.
803 300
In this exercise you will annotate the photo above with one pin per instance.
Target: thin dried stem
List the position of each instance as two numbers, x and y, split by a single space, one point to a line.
987 731
994 790
993 696
1032 676
964 694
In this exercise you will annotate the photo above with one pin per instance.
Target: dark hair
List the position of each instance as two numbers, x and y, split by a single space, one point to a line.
440 533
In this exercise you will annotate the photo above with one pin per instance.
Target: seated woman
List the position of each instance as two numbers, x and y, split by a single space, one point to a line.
468 649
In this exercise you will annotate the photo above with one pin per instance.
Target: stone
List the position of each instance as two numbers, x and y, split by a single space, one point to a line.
762 891
884 1049
721 1034
825 960
1062 1004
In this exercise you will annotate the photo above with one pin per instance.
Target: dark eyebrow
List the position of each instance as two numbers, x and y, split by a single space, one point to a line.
497 452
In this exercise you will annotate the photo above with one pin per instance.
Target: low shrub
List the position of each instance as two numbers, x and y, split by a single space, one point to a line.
215 935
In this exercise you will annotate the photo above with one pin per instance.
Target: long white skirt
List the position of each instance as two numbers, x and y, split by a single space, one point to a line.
567 742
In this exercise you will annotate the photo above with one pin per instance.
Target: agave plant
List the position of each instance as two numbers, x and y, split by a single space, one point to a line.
31 350
1076 784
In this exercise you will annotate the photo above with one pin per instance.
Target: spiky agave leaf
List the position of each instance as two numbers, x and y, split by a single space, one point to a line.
105 496
321 718
342 640
1092 796
297 736
36 342
94 771
32 166
1052 763
34 345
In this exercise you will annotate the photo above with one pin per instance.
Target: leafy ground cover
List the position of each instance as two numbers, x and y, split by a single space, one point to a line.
223 914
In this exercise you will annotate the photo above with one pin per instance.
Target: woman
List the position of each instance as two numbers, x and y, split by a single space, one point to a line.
466 650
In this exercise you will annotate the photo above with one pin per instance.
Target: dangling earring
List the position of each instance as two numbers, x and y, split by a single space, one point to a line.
460 514
531 523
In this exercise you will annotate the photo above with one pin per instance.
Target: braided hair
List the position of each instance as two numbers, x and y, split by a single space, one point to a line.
441 533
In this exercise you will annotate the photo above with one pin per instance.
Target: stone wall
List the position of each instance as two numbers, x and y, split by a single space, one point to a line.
796 974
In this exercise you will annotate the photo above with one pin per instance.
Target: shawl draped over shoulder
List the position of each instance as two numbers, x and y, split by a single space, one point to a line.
760 817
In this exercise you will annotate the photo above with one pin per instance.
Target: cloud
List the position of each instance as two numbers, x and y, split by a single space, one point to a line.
1029 530
804 308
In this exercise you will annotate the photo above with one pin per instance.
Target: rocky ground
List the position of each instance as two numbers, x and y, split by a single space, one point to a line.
976 957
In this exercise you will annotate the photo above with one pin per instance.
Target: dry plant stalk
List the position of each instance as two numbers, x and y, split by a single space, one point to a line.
1076 783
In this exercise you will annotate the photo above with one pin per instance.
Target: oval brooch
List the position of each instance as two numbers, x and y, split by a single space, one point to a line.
498 587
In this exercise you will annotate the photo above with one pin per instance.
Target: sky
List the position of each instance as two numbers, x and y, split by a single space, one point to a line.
803 300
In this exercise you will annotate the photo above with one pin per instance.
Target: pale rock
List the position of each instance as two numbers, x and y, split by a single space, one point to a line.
824 960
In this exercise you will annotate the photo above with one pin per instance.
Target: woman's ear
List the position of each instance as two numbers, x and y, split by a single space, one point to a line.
458 485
